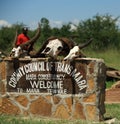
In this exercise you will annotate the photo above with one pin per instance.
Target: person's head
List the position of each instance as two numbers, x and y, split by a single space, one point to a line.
25 30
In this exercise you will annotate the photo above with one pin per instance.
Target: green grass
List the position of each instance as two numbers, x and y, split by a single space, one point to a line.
6 119
112 111
109 84
111 57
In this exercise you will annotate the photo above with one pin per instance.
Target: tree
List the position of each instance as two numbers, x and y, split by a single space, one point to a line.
45 30
103 29
7 35
65 30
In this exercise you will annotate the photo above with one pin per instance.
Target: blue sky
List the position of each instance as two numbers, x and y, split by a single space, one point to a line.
57 12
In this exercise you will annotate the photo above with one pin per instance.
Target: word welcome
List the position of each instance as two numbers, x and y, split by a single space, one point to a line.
42 67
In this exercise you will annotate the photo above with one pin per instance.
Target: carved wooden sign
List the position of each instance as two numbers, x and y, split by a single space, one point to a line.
41 76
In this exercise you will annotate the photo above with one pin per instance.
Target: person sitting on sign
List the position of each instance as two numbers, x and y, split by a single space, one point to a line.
23 37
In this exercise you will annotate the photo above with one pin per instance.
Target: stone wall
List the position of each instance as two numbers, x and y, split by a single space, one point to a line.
41 87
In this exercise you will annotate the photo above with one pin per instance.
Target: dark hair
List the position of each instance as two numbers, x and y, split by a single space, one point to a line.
25 29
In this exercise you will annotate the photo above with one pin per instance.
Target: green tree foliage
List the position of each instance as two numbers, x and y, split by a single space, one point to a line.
7 35
6 38
45 29
102 29
65 30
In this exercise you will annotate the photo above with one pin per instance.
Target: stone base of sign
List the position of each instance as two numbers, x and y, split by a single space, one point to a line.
88 105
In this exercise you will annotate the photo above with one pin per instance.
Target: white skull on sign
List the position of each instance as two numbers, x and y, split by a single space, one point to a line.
74 52
53 48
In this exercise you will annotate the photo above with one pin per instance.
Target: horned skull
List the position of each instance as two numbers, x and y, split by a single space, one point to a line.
74 52
15 52
53 48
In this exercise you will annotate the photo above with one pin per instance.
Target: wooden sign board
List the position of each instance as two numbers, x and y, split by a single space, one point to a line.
41 76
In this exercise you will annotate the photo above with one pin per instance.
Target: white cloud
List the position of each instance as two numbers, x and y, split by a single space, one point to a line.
4 23
57 24
76 21
33 25
118 23
73 27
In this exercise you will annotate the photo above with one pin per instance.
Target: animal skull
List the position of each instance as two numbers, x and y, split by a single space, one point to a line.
74 52
15 52
53 48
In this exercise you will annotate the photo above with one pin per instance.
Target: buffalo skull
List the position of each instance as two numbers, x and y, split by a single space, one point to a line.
76 51
54 47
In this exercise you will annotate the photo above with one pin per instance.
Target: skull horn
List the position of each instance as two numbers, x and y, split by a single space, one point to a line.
85 44
32 40
15 39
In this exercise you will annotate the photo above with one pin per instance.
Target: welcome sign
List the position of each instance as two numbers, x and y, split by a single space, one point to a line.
41 76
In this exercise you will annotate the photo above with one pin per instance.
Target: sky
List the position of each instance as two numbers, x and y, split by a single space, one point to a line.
58 12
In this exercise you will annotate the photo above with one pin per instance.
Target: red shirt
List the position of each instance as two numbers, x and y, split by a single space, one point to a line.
22 39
